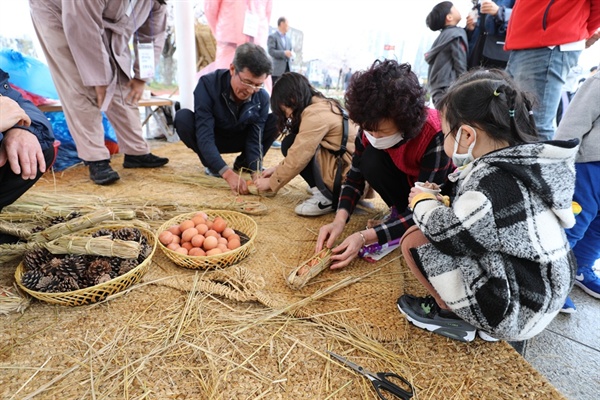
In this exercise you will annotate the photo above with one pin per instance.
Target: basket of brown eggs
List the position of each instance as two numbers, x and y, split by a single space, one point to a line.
211 239
88 266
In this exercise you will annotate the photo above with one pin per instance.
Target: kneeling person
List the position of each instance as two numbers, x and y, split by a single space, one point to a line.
319 144
231 115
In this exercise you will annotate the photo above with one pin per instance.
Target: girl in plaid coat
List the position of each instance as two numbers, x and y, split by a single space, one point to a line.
496 259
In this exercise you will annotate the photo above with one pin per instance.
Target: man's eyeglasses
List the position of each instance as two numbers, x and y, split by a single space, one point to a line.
249 84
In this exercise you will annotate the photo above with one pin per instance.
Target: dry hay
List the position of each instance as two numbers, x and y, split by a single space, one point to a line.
208 335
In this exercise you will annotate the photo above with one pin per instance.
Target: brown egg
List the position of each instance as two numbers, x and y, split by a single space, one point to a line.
188 234
213 252
234 236
173 246
188 223
195 252
210 242
165 237
222 240
219 224
175 230
187 245
181 250
233 244
176 239
201 214
209 223
202 228
227 232
198 240
198 220
222 247
212 232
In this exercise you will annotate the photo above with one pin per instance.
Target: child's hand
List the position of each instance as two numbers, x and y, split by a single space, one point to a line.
413 192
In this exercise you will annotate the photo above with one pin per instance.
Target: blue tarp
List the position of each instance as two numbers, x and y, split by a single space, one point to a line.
34 76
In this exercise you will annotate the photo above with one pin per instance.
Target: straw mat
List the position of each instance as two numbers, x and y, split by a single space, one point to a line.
241 332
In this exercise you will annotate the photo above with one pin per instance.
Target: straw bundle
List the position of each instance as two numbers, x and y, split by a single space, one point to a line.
12 300
74 225
309 269
99 246
13 229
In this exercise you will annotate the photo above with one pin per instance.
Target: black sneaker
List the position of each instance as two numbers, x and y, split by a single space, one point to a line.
101 172
240 164
425 313
144 161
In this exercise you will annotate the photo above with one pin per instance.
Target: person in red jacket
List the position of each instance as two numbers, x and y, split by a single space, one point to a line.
547 38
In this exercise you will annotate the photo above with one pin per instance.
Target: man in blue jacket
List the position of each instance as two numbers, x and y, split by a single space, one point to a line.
231 115
26 145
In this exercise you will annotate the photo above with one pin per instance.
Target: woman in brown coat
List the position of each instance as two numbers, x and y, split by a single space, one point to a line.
315 146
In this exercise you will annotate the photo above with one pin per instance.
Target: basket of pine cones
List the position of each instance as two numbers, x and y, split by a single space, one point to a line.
85 277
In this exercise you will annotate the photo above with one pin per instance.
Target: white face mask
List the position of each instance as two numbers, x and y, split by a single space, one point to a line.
385 142
461 160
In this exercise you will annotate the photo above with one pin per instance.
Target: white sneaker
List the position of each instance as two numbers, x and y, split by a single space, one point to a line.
486 336
316 205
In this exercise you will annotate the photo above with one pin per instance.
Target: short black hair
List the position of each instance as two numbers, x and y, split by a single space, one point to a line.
387 90
436 20
254 58
281 20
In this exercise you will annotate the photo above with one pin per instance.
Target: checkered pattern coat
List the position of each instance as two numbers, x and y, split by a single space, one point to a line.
498 255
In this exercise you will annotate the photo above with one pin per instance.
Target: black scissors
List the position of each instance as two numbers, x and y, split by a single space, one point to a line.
380 380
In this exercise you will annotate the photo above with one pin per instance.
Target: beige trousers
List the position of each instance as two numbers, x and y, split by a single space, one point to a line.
83 116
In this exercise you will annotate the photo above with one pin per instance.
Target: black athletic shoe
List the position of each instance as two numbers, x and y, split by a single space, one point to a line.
101 172
425 313
144 161
210 172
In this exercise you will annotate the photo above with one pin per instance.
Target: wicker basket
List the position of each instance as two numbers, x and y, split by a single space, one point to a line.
98 292
235 220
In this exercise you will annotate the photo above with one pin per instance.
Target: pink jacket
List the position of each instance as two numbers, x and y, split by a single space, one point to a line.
226 19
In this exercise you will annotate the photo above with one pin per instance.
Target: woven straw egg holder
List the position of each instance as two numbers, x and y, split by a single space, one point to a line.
239 222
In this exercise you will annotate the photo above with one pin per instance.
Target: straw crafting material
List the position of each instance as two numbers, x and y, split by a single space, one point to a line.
74 225
242 333
12 300
308 269
99 246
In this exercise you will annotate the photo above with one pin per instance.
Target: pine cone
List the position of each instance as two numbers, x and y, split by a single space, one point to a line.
52 266
145 251
34 259
97 268
102 279
67 284
31 278
73 266
48 284
132 234
127 265
104 232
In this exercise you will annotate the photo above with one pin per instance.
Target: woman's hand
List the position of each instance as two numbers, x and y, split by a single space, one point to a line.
346 251
263 184
330 232
268 172
12 114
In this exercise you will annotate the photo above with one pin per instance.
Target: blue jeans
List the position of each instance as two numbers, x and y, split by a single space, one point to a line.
584 236
543 71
